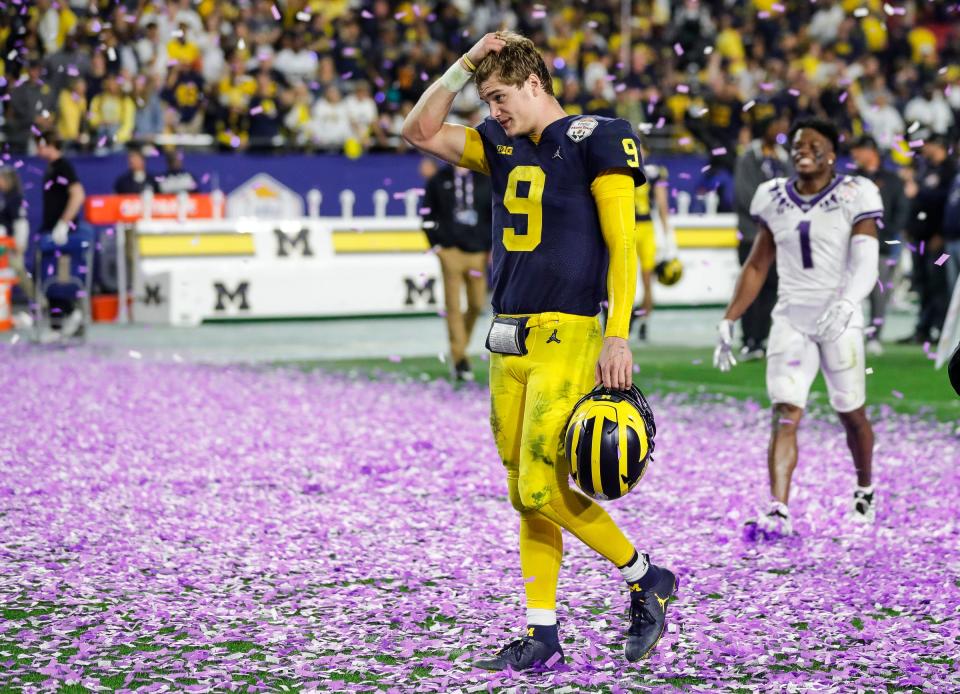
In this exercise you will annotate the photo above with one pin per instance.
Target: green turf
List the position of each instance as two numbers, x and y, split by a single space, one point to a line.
903 378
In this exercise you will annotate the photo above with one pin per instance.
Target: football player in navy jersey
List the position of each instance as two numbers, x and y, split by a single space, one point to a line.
563 242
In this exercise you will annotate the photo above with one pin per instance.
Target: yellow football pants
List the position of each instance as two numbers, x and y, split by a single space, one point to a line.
531 400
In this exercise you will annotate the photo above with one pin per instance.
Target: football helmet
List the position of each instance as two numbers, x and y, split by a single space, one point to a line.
609 441
669 271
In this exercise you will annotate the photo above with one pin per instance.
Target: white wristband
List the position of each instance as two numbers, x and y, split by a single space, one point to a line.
456 77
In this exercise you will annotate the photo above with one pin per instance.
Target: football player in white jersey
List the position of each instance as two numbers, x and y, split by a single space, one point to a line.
820 228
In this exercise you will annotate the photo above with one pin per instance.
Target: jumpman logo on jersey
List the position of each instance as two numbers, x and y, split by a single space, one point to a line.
553 337
557 155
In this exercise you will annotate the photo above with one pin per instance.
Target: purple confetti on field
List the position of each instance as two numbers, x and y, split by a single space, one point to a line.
275 12
942 259
897 394
186 523
678 49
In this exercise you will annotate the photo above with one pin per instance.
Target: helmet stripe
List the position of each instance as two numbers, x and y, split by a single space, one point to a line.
623 419
599 415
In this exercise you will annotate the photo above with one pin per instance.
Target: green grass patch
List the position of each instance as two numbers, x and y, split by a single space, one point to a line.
902 369
857 622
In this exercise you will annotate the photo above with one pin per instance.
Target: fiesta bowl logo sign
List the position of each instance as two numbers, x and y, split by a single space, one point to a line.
264 197
111 209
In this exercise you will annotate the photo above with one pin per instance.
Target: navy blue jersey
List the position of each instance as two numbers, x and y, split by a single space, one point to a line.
548 252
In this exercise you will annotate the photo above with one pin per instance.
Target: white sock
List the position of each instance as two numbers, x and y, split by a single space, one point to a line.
864 490
778 507
635 570
540 617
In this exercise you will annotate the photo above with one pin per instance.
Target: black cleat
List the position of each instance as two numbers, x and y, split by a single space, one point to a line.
462 371
648 612
523 654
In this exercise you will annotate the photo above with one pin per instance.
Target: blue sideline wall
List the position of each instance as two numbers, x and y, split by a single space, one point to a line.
301 172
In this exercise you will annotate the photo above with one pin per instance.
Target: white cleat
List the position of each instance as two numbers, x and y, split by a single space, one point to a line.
864 507
874 348
773 524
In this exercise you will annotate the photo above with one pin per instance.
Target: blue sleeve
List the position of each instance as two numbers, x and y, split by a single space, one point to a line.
613 145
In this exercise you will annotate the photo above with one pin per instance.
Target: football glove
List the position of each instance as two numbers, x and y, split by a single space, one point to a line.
60 232
723 354
835 320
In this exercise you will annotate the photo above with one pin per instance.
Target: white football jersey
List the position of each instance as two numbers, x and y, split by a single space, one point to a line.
813 236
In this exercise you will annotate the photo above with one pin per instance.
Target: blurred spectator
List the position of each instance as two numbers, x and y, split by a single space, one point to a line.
294 60
361 112
896 211
136 179
297 120
330 120
212 58
13 222
934 175
151 53
31 103
931 110
68 64
184 93
882 120
176 179
266 114
763 159
54 23
181 50
150 110
237 87
951 233
457 217
826 22
72 114
112 115
693 67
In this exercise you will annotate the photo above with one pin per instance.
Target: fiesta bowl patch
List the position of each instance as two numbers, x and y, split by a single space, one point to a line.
582 128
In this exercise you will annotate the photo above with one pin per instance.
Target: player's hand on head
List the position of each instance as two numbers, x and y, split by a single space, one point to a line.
723 358
835 320
489 43
615 366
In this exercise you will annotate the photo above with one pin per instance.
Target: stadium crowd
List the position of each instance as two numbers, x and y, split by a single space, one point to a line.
329 74
694 76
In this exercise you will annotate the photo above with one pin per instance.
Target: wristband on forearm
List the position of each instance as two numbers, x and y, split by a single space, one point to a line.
457 75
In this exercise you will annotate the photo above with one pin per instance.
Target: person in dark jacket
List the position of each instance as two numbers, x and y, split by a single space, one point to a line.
457 221
951 232
13 223
896 212
935 172
136 179
761 161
